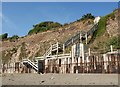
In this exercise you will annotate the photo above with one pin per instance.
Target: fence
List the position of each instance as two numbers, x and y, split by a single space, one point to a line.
90 67
95 64
16 68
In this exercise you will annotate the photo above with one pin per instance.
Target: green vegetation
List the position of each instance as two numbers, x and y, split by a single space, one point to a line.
4 36
44 26
114 41
101 30
105 45
111 15
102 25
13 38
65 24
87 16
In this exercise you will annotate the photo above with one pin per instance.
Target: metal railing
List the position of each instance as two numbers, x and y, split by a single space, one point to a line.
81 33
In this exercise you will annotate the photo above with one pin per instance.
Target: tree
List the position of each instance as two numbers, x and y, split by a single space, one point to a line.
44 26
4 36
13 38
87 16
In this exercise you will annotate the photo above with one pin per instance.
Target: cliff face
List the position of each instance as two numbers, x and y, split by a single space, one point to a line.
36 44
110 35
112 25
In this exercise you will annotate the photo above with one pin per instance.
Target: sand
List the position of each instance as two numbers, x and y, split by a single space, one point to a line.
60 79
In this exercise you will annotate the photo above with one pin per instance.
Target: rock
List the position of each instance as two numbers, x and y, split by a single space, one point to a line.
42 81
52 78
76 78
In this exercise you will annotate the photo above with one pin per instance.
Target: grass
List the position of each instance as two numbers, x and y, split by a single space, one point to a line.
102 26
114 41
101 31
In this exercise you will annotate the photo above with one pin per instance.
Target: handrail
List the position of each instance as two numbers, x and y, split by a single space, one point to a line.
47 52
53 47
77 36
31 63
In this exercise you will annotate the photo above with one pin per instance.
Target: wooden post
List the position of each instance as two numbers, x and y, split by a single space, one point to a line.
108 64
78 61
82 51
46 65
63 48
57 48
105 62
86 38
72 40
111 47
65 60
80 37
62 65
73 55
89 52
51 48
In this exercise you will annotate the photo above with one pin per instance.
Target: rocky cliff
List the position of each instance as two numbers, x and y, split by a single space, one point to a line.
33 45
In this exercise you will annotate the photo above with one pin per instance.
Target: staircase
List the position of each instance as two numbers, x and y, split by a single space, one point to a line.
30 63
53 47
48 52
80 35
92 30
56 46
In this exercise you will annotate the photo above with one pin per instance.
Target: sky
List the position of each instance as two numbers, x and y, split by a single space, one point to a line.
19 17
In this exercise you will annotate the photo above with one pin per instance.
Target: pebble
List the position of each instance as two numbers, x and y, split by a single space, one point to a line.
52 78
42 81
76 78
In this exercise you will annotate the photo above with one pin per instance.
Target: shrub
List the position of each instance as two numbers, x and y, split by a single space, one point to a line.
65 24
102 24
112 16
87 16
4 36
13 38
115 41
44 26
